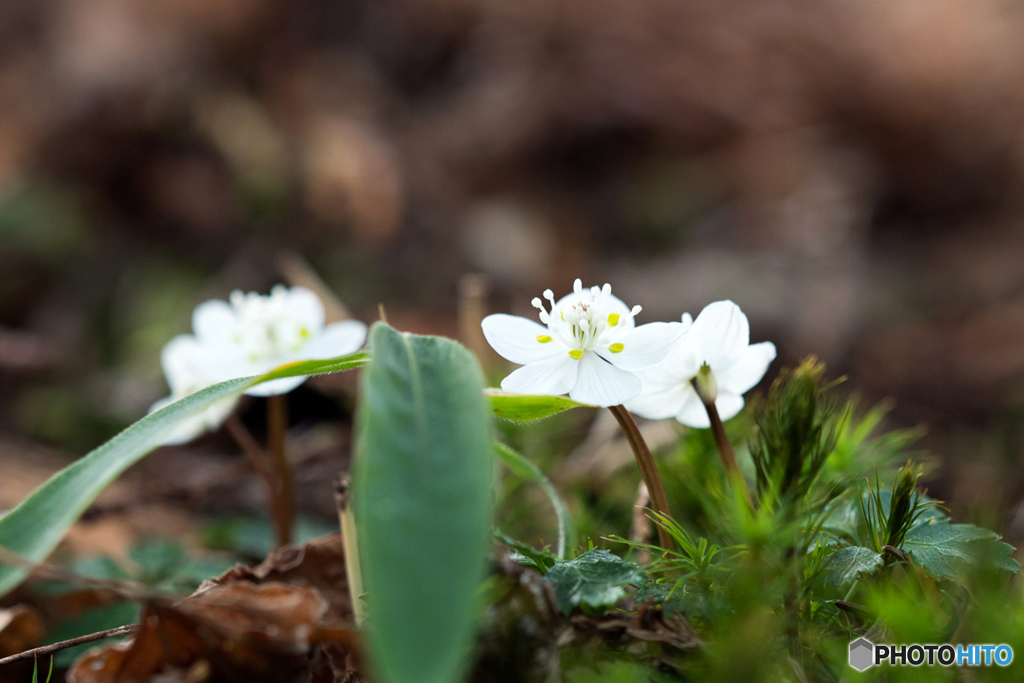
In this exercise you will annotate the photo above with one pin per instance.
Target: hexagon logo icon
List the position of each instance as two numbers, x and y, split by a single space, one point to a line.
862 654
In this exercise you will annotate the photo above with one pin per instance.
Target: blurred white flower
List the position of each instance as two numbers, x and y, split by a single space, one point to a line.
254 334
588 347
183 360
718 355
251 335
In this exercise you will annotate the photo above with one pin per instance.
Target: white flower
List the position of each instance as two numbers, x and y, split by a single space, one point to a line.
183 360
589 347
717 353
254 334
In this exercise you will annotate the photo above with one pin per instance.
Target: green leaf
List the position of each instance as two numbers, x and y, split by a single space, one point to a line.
595 579
849 563
945 549
35 527
528 556
529 407
525 469
422 497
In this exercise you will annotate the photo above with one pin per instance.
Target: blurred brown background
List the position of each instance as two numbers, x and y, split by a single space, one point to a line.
849 173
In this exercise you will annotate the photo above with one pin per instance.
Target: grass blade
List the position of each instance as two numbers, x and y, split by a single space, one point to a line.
525 469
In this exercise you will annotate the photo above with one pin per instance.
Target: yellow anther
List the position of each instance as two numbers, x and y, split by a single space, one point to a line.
543 338
613 320
576 353
616 347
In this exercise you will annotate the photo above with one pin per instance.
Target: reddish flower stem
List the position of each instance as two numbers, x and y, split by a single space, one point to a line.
259 460
277 427
726 453
649 472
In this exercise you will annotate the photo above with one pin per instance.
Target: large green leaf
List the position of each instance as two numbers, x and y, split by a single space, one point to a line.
525 469
945 549
35 527
529 407
422 493
849 563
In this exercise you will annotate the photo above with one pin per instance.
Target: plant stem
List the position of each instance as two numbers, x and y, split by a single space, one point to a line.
659 501
258 458
277 427
353 571
726 453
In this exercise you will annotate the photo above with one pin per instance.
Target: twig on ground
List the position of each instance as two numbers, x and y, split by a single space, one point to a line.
65 644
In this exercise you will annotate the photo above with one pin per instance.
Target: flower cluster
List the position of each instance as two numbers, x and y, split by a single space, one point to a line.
249 335
589 347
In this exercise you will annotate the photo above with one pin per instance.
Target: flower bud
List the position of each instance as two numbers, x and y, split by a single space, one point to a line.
705 385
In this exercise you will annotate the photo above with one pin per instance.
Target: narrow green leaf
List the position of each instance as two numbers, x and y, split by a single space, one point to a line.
525 469
945 549
529 407
849 563
595 578
35 527
422 497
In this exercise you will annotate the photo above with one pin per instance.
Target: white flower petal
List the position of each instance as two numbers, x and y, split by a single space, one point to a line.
515 339
276 386
719 333
661 397
729 405
181 360
602 384
337 339
747 370
643 346
693 413
214 321
552 376
306 308
679 364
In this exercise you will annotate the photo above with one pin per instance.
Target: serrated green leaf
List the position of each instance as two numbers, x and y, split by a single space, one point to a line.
35 527
595 578
945 549
846 565
422 497
525 469
529 407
